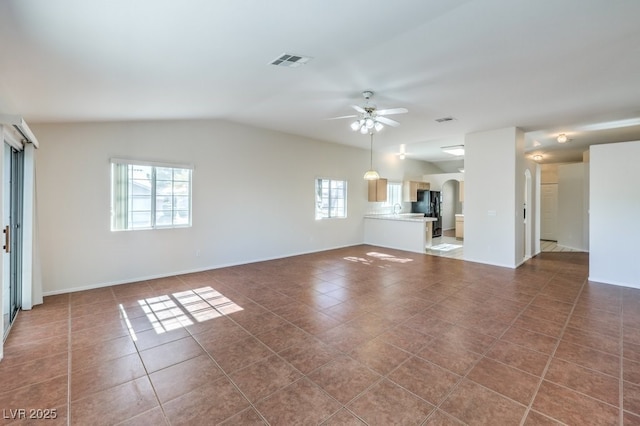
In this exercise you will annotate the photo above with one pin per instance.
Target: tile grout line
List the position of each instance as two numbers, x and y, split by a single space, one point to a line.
483 355
146 371
306 376
553 352
383 377
224 373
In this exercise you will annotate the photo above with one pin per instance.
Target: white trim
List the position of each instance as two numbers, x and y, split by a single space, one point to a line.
9 136
597 280
492 263
150 163
189 271
21 126
28 210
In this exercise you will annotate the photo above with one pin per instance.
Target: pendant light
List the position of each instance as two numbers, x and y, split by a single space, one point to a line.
371 174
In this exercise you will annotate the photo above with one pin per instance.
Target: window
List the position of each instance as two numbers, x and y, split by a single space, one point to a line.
149 196
331 198
394 194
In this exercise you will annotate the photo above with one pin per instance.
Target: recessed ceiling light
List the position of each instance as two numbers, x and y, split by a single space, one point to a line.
457 150
537 157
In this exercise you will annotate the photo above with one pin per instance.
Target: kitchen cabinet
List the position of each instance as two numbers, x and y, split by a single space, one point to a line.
378 190
461 191
459 227
410 190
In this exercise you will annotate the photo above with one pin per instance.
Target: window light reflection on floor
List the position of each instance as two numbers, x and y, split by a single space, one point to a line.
379 256
389 257
127 322
184 308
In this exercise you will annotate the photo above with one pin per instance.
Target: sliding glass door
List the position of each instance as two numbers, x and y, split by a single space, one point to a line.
12 193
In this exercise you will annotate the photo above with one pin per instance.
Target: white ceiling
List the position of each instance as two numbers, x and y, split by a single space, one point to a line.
548 67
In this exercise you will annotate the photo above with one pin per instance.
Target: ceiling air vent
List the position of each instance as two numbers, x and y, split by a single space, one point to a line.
290 61
444 119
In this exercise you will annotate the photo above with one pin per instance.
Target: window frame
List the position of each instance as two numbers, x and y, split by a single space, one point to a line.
319 215
389 202
122 201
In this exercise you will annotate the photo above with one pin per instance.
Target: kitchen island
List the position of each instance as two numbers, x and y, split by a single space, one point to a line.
410 232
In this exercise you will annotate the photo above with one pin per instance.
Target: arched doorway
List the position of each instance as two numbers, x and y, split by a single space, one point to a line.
451 204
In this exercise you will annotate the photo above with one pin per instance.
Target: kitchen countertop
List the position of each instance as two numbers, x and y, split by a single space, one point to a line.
405 217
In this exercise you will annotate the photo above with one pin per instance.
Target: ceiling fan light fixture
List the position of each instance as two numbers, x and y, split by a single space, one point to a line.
562 138
370 118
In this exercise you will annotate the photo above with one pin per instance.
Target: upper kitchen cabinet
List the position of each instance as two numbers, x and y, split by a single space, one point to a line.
410 190
378 190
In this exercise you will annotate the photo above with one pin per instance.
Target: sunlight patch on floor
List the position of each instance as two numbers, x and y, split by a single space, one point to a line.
181 309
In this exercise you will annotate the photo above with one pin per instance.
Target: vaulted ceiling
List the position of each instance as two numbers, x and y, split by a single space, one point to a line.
548 67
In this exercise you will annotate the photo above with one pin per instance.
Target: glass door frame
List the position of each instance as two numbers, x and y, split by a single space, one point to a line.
12 214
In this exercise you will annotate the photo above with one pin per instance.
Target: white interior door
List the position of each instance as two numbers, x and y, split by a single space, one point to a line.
549 209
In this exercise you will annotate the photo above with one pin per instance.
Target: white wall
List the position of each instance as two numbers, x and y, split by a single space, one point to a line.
518 208
614 207
436 180
572 205
253 198
494 182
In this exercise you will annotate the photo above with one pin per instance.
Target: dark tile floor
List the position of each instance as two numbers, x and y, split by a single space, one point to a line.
361 335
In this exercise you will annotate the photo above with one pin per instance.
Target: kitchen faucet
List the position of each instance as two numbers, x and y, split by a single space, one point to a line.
398 206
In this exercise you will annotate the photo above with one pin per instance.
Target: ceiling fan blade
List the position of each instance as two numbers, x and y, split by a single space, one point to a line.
359 109
339 118
388 121
392 111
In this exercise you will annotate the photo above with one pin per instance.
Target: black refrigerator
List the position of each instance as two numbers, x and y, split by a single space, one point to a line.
428 202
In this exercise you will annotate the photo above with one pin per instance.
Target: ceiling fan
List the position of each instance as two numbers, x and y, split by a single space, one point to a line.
369 118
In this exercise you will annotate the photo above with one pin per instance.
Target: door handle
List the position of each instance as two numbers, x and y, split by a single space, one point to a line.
7 247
